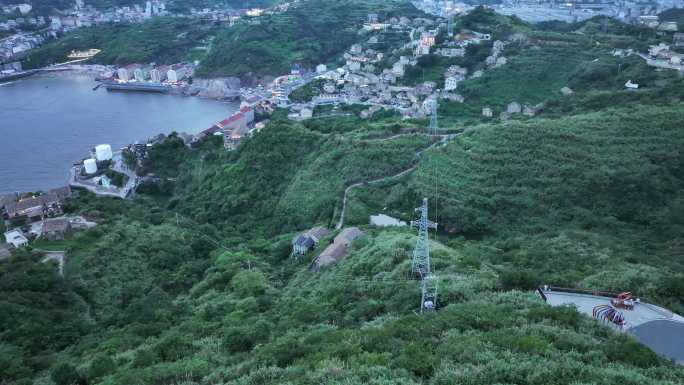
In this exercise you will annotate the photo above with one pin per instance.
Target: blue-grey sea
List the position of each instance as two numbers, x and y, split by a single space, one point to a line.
49 121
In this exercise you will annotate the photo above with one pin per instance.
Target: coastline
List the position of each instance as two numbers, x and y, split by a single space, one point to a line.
52 146
219 89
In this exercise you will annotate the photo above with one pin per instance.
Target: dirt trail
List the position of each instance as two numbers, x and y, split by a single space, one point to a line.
414 165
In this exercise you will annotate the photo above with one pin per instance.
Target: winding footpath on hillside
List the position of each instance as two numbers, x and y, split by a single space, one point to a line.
413 167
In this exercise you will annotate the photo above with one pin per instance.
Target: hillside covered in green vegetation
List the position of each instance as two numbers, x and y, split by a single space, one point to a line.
195 283
192 282
310 33
160 40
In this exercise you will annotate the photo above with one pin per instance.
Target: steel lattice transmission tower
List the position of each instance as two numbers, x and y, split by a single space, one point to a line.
428 293
450 25
433 118
420 265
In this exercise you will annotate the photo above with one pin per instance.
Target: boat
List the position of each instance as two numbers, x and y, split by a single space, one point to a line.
10 76
137 87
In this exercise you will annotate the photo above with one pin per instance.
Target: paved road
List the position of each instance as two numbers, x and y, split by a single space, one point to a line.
665 337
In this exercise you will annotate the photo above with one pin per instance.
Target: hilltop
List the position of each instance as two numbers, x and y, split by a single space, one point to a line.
301 35
193 281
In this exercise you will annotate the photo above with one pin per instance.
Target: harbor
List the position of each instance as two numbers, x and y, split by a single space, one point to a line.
54 118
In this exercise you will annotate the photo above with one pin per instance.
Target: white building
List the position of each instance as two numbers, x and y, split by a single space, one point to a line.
122 73
329 88
16 238
172 76
306 113
353 65
139 75
148 9
155 76
321 68
398 69
23 8
90 166
103 152
655 50
451 83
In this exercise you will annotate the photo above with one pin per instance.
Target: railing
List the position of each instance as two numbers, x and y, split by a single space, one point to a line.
597 293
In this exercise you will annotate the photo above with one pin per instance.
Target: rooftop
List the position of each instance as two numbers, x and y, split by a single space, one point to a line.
55 224
348 235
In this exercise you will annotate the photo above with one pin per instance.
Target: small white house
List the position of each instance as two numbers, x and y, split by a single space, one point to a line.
16 238
321 68
630 85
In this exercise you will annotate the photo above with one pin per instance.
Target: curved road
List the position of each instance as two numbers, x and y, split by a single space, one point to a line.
349 188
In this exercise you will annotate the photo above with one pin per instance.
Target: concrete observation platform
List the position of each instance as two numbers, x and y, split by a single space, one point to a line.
656 327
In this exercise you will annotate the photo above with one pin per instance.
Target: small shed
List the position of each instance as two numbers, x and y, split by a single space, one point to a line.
302 244
308 240
514 108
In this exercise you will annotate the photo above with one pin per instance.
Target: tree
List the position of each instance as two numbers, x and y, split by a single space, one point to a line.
65 374
101 366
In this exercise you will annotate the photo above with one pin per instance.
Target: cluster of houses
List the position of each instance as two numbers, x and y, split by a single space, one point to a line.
35 208
25 23
85 15
19 43
234 129
653 21
335 252
663 56
39 216
22 23
338 249
361 80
